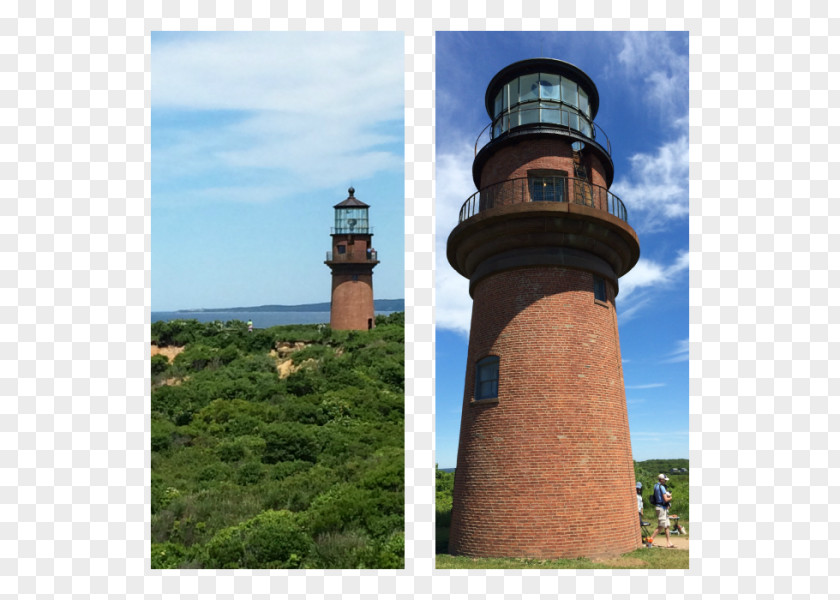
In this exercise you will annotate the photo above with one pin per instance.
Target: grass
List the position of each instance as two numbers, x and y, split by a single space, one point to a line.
642 558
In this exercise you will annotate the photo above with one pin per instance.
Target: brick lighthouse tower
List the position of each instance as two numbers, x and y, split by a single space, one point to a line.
351 261
544 457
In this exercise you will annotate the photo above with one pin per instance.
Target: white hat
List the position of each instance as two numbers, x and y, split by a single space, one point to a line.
663 476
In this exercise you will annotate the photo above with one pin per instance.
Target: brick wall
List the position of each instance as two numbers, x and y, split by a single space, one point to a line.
549 152
545 471
352 300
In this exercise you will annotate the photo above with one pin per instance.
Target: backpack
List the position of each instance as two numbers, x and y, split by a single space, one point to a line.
652 497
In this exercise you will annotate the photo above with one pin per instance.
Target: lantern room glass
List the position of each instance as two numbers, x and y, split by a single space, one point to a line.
542 98
351 220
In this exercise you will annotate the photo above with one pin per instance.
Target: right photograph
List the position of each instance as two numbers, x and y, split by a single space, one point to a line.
562 300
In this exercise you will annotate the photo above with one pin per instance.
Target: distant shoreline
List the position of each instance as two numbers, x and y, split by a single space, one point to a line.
378 305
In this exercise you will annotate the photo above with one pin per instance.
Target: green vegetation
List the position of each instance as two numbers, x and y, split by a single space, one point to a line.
647 472
251 469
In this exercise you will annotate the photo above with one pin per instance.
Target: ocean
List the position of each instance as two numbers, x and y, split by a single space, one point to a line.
261 319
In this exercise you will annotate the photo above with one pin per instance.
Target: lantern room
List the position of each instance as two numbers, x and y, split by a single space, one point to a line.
351 216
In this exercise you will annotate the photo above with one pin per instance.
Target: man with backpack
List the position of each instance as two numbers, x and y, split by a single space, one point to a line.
661 500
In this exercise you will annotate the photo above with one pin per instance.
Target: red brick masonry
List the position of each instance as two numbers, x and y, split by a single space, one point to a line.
548 464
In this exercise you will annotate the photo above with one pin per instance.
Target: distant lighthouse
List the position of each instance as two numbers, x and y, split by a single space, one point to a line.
544 451
351 262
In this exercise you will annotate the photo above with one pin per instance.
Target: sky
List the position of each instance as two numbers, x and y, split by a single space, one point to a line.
642 81
255 137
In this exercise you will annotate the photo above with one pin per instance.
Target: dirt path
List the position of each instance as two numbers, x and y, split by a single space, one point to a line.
680 541
169 352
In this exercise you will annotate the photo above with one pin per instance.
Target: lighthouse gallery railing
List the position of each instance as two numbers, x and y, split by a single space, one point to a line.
543 189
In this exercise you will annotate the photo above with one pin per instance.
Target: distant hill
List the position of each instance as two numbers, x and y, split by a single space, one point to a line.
378 305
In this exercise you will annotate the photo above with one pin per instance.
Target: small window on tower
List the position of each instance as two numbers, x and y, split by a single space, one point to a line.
342 248
600 289
487 378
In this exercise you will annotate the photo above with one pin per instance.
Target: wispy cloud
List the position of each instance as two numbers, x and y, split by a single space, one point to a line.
644 281
660 61
645 386
679 354
654 69
648 273
295 111
453 185
655 190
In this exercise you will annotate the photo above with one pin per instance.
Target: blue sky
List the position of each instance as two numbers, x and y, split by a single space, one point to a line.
255 137
642 80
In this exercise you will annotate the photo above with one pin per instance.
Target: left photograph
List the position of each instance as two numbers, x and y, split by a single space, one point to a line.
277 300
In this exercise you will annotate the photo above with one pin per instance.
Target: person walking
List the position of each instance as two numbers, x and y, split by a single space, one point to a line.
662 502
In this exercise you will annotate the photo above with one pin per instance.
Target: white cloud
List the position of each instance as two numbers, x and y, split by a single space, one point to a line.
651 57
453 185
639 286
304 74
655 190
299 111
648 273
645 386
680 352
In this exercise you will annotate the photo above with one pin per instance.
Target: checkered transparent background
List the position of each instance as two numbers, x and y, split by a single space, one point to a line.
74 299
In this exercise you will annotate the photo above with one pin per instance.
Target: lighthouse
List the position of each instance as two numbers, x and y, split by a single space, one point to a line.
544 452
351 262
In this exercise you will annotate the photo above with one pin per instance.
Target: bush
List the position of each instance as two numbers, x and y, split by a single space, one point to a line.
249 473
303 410
230 451
388 554
161 435
234 446
296 491
168 555
345 507
282 470
340 550
289 442
271 540
159 364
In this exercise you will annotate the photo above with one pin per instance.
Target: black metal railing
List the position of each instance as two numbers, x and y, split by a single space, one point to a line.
554 117
543 189
352 230
351 257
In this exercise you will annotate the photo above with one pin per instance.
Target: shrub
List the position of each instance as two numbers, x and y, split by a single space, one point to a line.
340 550
387 554
303 410
161 435
282 470
290 441
297 491
231 451
249 473
271 540
345 507
212 473
159 364
303 382
168 555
